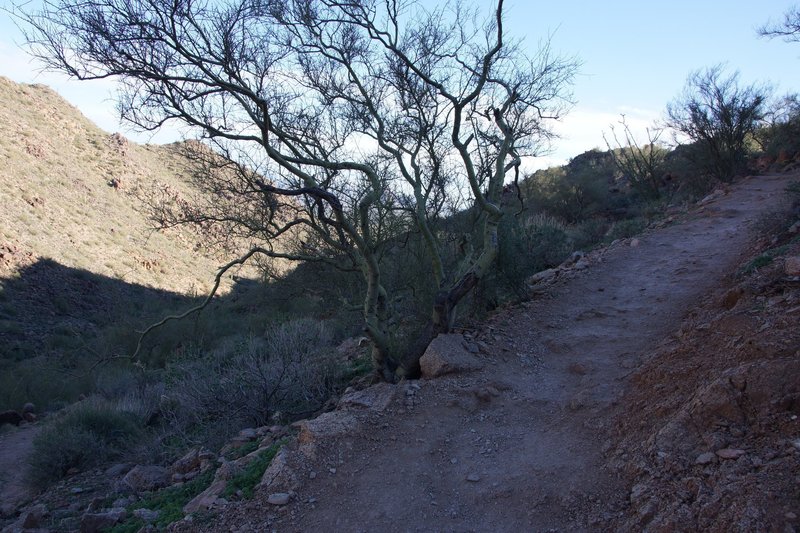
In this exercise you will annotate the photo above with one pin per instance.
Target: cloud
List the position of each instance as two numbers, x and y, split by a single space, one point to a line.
582 130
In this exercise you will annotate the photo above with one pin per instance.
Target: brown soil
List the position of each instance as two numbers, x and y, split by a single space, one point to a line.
584 393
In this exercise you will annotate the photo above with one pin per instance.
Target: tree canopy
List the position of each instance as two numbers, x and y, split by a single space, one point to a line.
345 124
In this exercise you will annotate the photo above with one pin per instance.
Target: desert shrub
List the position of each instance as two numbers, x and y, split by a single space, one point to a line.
289 372
625 228
527 245
720 116
782 134
87 434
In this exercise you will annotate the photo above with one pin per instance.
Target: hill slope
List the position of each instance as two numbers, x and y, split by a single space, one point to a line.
66 194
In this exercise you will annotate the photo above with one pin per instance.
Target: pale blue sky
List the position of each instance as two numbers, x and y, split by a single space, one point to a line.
636 56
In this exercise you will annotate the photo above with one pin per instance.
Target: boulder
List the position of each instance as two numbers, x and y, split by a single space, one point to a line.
143 478
447 355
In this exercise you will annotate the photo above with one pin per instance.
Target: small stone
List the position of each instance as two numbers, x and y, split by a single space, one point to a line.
473 478
453 460
790 516
312 475
635 243
704 458
792 266
278 498
730 453
332 470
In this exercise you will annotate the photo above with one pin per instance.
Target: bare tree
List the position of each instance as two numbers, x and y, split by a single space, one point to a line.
641 164
344 123
720 116
788 29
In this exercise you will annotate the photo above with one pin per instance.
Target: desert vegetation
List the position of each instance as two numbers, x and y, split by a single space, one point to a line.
376 191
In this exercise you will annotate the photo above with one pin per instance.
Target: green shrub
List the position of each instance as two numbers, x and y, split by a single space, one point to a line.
88 434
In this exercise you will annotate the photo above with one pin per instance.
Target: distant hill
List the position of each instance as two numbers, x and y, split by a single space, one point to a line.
66 194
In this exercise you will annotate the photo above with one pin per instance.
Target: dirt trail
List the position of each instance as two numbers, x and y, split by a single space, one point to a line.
15 446
529 458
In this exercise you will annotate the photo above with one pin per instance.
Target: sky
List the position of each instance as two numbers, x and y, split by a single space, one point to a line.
635 55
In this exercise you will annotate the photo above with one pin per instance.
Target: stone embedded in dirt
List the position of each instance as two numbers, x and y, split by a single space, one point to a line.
98 522
705 458
279 475
577 368
792 266
143 478
731 298
635 243
148 515
207 498
446 354
326 426
376 398
544 275
279 498
730 453
473 478
582 264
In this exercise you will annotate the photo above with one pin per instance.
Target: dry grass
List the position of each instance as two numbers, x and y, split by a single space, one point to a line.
56 175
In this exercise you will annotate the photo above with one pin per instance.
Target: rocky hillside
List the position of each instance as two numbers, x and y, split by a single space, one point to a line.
67 191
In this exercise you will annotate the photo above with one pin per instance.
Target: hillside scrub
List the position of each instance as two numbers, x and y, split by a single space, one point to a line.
370 121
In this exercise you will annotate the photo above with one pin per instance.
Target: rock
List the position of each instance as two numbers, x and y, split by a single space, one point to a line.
143 478
325 426
578 369
279 475
228 470
98 522
447 355
189 462
792 266
279 498
207 498
544 275
376 398
582 264
118 470
705 458
148 515
635 242
28 408
473 477
248 433
731 298
32 517
795 228
730 453
637 492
